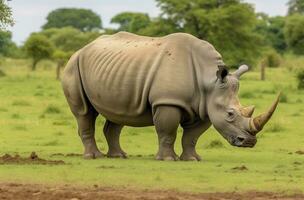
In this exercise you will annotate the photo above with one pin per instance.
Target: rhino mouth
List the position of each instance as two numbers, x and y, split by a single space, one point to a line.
243 141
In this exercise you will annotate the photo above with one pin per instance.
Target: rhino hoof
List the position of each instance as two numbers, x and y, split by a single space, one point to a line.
93 155
190 158
167 158
117 155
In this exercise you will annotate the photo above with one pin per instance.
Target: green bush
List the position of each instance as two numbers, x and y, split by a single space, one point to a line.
38 47
300 77
275 127
272 59
2 74
294 33
283 98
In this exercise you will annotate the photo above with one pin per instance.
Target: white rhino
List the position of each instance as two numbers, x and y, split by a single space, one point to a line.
166 81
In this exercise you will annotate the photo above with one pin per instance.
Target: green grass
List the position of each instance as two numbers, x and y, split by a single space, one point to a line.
51 109
34 116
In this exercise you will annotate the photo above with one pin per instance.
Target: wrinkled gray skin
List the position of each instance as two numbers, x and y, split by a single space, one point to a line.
166 82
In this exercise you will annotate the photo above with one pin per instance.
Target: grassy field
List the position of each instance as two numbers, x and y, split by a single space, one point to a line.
34 116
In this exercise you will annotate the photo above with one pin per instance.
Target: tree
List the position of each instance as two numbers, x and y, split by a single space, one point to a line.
82 19
5 42
38 47
300 77
68 38
271 59
272 30
7 47
131 21
61 58
159 27
294 33
5 15
227 24
295 6
67 41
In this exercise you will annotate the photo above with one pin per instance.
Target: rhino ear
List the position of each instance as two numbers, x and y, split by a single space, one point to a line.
222 72
241 70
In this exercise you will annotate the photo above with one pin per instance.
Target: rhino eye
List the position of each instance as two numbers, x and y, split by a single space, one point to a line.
230 115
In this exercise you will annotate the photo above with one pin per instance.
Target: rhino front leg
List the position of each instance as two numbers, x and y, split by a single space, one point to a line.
112 132
166 120
86 131
189 140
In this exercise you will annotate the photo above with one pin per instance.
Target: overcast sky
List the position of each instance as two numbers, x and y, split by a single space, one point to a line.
30 15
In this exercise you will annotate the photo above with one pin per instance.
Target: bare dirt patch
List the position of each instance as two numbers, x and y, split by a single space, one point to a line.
74 155
300 152
10 191
32 159
67 155
240 168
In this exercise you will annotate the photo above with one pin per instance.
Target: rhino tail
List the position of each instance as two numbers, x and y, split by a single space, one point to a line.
73 87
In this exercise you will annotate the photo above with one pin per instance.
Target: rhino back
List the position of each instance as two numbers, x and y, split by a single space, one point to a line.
127 76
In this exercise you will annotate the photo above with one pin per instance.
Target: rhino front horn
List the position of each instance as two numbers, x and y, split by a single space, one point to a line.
257 123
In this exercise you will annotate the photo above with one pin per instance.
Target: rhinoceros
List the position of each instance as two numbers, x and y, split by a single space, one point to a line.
165 81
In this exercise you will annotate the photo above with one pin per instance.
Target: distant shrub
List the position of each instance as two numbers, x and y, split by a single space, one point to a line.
283 98
300 77
52 109
293 62
275 127
215 144
2 74
272 59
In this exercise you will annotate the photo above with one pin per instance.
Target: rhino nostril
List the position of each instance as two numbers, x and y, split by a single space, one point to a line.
240 139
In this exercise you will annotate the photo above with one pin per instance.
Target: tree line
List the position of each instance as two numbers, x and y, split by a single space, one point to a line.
232 26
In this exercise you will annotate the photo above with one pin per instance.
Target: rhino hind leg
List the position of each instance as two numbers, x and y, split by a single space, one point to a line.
86 131
166 121
112 133
81 108
189 140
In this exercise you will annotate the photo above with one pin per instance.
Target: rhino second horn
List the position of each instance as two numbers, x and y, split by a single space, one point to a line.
241 70
247 111
257 123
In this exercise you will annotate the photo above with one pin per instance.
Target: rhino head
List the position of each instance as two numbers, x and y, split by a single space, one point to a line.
233 121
